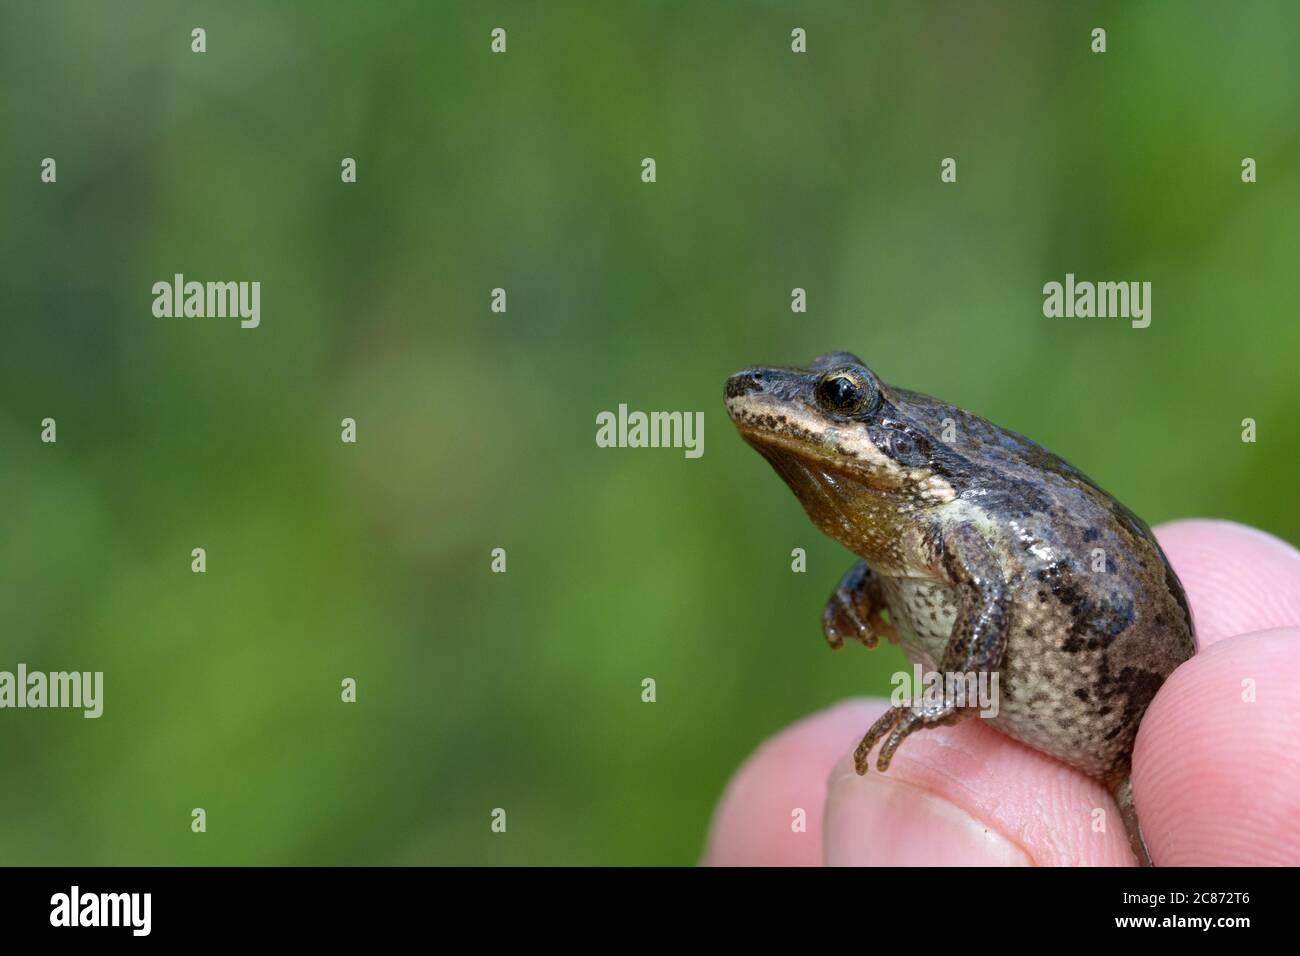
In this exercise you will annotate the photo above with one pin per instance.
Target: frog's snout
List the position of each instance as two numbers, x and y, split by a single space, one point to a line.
750 396
762 395
742 383
772 389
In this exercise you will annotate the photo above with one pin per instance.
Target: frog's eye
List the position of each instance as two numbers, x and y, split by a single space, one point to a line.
844 393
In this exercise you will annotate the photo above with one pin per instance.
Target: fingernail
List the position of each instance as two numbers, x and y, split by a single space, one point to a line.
880 820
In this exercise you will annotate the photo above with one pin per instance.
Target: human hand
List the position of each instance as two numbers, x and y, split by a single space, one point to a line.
1216 779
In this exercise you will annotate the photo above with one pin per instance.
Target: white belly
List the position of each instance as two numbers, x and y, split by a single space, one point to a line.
923 613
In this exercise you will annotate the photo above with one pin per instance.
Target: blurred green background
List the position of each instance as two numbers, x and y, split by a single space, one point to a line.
476 430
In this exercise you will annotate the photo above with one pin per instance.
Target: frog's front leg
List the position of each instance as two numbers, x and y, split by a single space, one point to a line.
976 644
854 610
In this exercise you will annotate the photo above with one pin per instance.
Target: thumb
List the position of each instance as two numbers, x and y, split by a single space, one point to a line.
882 820
965 795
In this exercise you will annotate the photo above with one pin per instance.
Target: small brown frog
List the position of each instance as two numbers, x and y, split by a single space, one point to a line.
982 553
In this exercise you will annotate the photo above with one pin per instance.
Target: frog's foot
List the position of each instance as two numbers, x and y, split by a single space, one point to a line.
898 722
842 620
855 611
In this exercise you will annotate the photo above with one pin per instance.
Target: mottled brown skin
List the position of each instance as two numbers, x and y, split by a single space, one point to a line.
979 548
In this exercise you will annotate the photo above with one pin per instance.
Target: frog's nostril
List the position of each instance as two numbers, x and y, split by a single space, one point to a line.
742 383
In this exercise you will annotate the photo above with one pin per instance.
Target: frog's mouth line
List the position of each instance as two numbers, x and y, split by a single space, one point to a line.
783 451
758 425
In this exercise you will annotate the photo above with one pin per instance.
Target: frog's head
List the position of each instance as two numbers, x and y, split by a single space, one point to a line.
858 454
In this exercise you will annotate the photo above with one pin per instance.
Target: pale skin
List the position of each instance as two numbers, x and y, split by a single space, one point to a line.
967 795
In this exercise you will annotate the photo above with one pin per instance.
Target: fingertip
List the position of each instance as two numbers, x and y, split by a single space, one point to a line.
1238 579
1215 775
771 811
884 820
968 795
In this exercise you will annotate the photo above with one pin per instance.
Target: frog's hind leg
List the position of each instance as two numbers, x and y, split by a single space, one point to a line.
1121 789
975 646
855 608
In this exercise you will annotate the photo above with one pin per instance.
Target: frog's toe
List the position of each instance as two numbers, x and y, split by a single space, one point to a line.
895 725
841 621
883 725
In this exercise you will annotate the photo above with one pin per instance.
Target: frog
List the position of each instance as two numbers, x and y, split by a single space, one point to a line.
982 554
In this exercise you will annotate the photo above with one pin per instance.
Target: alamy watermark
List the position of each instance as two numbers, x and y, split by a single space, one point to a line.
651 430
1102 300
933 690
75 690
212 300
75 908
